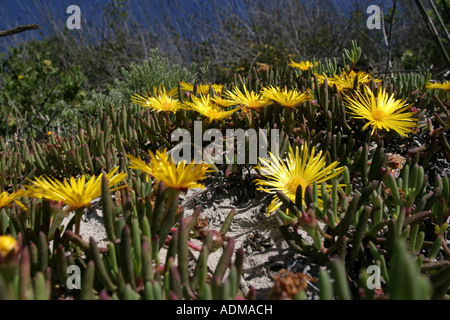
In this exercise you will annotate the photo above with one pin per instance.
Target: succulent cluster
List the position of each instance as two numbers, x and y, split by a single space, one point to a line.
365 198
35 266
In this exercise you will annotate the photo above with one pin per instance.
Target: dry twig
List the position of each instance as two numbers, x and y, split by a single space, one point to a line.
20 29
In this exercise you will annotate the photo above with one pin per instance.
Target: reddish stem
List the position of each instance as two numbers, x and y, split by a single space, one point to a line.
190 244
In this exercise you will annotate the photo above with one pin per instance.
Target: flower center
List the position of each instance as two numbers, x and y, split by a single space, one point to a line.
378 115
294 182
305 66
168 105
213 114
254 104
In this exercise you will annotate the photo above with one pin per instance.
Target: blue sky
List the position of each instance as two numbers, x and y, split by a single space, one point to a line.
14 9
20 12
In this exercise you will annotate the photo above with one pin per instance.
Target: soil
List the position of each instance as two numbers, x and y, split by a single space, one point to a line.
266 253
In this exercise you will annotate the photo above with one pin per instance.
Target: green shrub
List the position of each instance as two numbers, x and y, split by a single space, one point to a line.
140 78
34 91
40 95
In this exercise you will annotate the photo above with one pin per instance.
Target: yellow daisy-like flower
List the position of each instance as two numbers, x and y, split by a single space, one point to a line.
223 102
165 103
382 112
139 164
286 98
75 193
6 199
443 86
7 245
180 177
205 107
301 169
302 65
249 100
202 88
346 81
160 101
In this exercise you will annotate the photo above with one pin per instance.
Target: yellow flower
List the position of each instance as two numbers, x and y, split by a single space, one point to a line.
202 88
443 86
20 77
382 112
7 245
301 169
223 102
303 65
205 107
286 98
180 177
139 164
75 193
346 81
160 101
6 199
165 103
249 100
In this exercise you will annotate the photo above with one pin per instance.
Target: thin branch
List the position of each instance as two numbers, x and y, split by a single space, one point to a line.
388 37
433 31
27 27
438 16
41 107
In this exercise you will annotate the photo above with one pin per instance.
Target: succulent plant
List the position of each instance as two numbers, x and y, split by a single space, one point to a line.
386 210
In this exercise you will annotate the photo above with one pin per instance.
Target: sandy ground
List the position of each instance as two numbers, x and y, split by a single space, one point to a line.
263 258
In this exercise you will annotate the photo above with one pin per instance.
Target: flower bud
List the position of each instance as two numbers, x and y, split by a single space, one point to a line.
9 257
8 247
217 240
